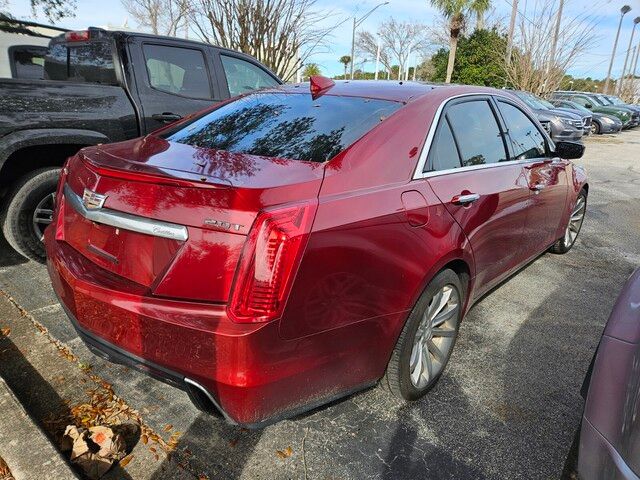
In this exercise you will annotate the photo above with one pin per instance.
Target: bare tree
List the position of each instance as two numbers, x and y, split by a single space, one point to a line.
534 66
282 34
54 10
162 17
398 40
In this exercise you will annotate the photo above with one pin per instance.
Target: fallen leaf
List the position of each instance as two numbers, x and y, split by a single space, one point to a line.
126 460
286 453
145 439
233 443
5 331
167 427
202 476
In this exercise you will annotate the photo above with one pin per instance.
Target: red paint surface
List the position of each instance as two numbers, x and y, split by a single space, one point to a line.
376 240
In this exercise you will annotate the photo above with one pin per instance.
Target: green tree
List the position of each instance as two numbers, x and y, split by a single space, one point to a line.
456 11
345 60
311 69
479 60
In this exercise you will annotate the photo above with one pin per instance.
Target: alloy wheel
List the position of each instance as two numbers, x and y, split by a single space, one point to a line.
43 215
575 221
435 336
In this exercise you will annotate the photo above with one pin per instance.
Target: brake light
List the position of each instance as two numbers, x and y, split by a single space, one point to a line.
269 262
78 36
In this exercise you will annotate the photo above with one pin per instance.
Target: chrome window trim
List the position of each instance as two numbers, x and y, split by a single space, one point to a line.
126 221
424 154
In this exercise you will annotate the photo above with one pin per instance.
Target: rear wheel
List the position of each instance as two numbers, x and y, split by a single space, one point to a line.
573 227
595 127
427 339
29 210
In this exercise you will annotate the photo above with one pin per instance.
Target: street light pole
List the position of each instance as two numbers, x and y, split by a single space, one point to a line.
512 24
626 58
624 10
356 23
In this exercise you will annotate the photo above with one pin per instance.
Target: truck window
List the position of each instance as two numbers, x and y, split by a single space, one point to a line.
27 61
177 70
245 77
90 62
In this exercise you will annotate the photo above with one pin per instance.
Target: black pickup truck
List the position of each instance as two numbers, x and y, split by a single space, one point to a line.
101 86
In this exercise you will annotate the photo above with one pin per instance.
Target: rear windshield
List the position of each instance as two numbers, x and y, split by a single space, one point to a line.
292 126
85 62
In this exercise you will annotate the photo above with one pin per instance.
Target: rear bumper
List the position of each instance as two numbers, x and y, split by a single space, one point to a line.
245 372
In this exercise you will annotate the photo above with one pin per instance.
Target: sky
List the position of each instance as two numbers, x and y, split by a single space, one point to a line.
594 63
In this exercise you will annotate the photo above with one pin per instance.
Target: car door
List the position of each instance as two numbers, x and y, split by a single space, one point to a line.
173 80
546 177
469 170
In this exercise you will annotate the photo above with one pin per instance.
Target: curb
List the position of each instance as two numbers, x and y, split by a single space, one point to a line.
24 447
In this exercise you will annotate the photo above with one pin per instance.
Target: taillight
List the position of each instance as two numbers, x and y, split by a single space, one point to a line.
269 262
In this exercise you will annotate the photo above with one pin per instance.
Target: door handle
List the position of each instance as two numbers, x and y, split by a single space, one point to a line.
166 117
538 187
465 199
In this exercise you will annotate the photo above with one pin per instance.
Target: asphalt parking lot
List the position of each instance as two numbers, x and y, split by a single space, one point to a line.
508 405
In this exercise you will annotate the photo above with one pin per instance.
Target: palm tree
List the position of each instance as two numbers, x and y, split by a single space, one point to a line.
345 60
456 11
311 69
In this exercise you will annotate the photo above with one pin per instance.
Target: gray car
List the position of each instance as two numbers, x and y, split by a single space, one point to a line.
610 432
600 122
561 125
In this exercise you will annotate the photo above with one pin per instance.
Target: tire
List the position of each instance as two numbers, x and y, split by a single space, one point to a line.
398 378
595 128
35 190
574 225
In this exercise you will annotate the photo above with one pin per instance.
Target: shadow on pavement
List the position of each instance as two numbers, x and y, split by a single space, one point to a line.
8 257
37 396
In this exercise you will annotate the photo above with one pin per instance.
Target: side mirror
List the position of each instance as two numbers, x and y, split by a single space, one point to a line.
588 105
569 150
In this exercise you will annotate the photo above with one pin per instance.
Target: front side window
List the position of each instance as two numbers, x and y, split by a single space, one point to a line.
177 70
243 77
291 126
525 138
476 129
443 154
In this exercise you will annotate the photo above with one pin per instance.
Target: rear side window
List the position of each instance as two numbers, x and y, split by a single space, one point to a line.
177 70
525 138
27 62
292 126
444 154
245 77
476 129
86 62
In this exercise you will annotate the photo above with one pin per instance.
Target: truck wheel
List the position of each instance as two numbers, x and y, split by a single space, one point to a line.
28 210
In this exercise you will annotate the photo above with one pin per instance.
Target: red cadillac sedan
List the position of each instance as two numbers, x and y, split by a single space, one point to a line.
294 245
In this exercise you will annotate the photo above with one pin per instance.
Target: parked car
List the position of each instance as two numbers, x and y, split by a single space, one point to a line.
561 125
600 123
610 434
101 87
618 102
268 257
628 117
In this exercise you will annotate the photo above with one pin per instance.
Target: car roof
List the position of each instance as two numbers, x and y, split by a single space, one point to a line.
394 90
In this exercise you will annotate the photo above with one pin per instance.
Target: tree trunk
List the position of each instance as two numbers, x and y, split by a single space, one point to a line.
453 45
